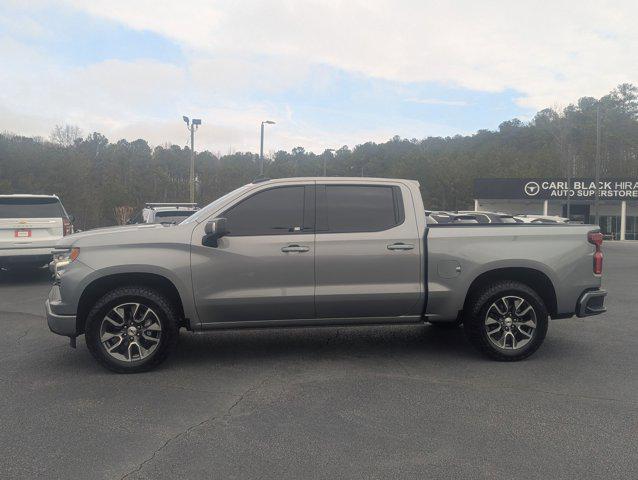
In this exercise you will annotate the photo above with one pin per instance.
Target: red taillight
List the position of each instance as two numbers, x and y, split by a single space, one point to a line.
598 262
596 239
67 227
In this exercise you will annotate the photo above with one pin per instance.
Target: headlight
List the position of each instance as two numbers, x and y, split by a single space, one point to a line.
62 258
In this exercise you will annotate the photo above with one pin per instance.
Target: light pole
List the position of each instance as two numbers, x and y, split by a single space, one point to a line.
571 160
261 147
325 160
597 166
192 126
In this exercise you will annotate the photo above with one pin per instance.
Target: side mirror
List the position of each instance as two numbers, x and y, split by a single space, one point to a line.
71 218
214 229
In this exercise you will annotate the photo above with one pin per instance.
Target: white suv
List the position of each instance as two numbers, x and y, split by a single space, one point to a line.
166 213
30 225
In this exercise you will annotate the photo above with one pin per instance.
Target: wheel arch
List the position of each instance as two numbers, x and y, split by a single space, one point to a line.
533 278
100 286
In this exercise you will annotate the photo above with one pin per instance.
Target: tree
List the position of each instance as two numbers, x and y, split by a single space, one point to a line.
66 135
94 176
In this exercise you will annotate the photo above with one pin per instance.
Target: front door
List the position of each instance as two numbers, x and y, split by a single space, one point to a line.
368 251
264 268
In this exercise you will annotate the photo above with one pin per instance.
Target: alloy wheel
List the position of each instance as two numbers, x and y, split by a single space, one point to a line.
510 323
130 332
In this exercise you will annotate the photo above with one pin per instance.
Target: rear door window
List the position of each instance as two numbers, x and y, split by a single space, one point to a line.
358 208
21 207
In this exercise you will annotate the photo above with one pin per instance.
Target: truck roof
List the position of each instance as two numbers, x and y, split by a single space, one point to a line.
27 195
163 207
169 204
323 179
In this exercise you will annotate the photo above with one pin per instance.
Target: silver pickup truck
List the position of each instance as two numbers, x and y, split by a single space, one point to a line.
316 252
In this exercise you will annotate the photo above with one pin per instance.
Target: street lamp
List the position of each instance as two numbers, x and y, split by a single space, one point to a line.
192 126
261 146
597 166
325 160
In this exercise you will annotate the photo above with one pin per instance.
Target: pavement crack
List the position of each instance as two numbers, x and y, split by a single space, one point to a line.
171 439
23 335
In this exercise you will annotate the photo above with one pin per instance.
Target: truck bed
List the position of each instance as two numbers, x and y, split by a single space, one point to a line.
458 254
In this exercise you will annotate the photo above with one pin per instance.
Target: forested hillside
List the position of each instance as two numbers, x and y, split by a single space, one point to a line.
93 175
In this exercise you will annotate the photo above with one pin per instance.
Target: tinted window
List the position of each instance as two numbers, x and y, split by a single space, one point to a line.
508 220
351 208
30 208
278 211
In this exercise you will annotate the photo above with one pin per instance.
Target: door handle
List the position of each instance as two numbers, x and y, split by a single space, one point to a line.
400 246
295 248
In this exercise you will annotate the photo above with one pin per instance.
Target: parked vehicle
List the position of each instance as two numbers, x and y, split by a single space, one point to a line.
542 219
30 226
491 217
449 217
316 252
166 213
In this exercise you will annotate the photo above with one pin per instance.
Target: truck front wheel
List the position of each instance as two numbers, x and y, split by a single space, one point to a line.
506 320
131 329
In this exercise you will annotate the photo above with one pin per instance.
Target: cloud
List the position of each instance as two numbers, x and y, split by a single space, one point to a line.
546 51
438 101
327 71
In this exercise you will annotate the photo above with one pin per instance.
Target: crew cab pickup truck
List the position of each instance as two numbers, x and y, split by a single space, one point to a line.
304 252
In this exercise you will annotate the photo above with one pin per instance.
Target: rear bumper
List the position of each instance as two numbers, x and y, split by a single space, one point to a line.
591 303
60 324
26 254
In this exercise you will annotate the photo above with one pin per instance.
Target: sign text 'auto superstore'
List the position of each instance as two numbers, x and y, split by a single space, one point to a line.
585 189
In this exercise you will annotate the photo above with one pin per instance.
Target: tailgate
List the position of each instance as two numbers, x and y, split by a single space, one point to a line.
16 232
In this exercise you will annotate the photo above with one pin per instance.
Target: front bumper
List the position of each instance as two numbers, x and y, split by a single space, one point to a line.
61 324
591 303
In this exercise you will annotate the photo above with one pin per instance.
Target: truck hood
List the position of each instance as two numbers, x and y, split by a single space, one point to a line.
123 231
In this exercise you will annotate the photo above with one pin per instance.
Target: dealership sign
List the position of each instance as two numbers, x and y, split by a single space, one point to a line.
547 189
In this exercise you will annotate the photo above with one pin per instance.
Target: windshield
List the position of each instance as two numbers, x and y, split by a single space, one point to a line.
25 207
211 207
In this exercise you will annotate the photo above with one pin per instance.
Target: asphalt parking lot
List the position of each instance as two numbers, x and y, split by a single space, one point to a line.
356 403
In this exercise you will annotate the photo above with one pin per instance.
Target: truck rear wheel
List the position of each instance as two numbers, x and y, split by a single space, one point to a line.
506 321
131 329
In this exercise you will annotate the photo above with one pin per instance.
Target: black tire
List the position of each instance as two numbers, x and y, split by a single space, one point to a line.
476 318
165 313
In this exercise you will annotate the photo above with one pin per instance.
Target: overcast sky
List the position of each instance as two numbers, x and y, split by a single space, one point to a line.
330 73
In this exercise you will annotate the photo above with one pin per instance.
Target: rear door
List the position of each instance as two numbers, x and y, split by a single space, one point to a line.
367 251
30 221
